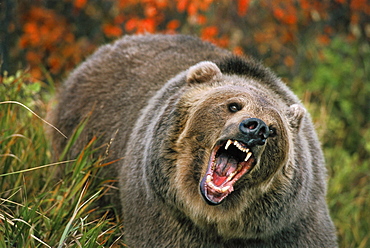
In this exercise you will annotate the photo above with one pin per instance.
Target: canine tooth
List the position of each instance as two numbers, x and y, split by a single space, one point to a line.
228 144
208 179
232 175
212 185
226 188
249 154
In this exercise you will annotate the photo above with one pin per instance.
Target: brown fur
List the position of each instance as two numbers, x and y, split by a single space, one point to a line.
167 112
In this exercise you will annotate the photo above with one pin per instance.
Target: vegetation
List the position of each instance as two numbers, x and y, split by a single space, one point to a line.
37 209
319 47
57 35
336 90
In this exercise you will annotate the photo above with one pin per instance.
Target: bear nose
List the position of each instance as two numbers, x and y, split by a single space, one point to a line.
255 131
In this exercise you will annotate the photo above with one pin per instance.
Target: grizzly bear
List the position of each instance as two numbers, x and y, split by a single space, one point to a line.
216 151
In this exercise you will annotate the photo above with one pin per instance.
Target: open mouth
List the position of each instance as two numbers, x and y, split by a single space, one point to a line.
229 161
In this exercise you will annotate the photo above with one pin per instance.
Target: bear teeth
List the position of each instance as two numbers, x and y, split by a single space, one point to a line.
249 154
239 146
232 175
227 188
229 142
216 188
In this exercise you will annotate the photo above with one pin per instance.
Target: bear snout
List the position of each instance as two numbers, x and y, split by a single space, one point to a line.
255 131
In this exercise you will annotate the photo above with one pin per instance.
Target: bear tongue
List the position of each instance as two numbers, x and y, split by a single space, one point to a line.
225 165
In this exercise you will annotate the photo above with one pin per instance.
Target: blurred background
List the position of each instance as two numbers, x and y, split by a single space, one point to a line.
319 47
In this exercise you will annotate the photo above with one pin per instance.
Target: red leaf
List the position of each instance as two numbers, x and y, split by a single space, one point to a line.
181 5
243 7
79 4
112 31
174 24
131 24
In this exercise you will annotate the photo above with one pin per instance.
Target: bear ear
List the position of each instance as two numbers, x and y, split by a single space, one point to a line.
295 114
203 72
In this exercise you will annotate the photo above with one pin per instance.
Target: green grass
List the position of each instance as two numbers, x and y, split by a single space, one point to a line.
37 210
335 87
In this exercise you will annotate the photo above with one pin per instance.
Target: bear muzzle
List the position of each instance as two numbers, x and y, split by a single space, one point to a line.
231 159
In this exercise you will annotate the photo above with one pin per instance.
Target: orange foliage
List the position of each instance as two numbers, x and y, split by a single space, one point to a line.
243 7
201 19
131 24
47 40
193 7
173 25
289 61
79 4
323 39
54 39
209 33
147 25
285 11
112 30
238 50
360 5
181 5
33 56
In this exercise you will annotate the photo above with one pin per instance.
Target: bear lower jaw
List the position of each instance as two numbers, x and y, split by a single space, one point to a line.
228 162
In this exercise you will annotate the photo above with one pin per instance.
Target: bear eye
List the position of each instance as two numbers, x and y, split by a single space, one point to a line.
272 132
234 107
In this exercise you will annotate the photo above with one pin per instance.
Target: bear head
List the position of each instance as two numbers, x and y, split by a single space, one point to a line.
234 141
